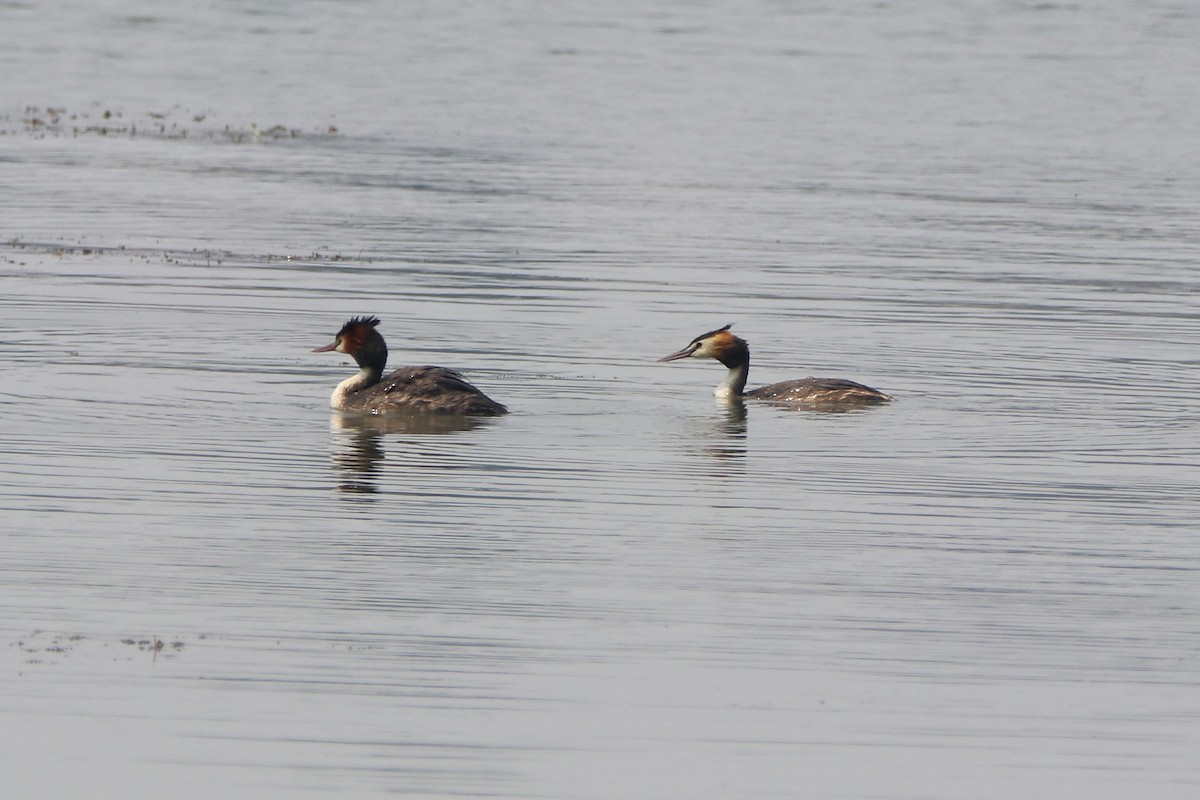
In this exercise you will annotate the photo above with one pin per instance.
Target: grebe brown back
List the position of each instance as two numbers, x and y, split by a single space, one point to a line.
734 353
407 390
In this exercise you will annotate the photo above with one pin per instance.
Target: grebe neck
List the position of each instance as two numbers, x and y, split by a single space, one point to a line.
366 377
737 359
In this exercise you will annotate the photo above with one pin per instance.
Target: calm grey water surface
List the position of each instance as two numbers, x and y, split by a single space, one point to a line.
623 589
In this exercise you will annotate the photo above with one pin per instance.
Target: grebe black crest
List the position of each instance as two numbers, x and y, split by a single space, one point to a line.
732 351
407 390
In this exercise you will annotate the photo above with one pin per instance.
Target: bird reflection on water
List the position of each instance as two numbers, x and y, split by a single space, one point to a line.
729 434
359 447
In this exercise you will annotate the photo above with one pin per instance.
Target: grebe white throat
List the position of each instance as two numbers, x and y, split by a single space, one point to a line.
365 377
734 383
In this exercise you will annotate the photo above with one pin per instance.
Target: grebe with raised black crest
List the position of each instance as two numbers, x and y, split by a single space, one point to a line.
408 389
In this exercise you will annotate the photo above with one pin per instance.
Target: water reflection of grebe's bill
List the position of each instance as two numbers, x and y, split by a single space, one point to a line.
404 423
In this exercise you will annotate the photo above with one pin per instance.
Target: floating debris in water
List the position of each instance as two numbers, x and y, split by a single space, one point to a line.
50 121
42 647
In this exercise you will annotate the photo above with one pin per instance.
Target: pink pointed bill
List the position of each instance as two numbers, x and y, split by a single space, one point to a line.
684 353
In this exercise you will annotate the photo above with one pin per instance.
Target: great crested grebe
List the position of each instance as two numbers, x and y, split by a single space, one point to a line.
407 390
734 353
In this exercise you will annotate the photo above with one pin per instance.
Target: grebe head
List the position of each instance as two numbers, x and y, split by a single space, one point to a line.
718 344
359 340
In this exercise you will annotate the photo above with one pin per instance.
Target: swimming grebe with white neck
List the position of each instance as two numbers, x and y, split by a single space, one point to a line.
734 353
407 390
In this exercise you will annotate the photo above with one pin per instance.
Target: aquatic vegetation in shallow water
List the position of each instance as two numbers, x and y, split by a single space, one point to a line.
176 123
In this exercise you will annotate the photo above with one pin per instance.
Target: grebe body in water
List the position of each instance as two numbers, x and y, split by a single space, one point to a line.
407 390
734 353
